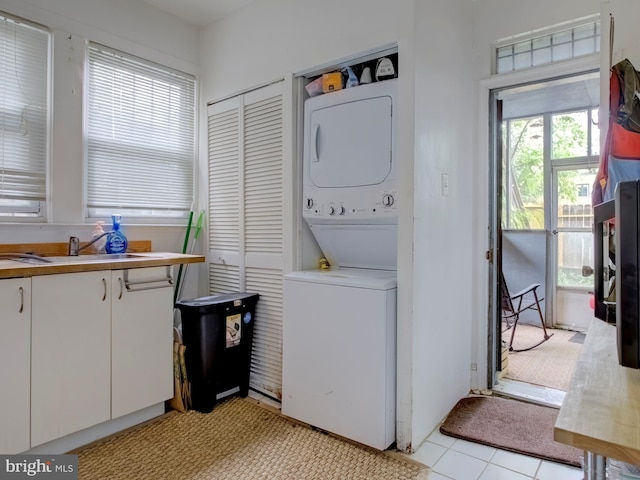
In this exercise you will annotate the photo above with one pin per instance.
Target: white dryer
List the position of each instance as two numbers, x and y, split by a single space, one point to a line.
349 175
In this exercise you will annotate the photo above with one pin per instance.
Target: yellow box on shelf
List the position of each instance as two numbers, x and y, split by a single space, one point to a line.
331 82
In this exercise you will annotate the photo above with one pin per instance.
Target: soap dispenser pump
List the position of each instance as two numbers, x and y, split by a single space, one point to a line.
116 241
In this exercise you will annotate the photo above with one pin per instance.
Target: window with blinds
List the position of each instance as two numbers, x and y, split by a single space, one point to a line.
24 75
141 137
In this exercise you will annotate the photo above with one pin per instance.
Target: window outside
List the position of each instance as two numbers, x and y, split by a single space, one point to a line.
524 174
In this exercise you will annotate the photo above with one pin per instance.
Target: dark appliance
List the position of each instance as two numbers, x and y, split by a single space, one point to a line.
623 260
627 210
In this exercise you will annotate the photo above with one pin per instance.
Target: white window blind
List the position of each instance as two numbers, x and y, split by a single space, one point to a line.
141 137
24 71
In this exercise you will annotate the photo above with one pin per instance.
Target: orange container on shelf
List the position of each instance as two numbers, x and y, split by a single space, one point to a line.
331 82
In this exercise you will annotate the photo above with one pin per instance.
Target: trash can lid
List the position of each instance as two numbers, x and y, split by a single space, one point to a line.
219 299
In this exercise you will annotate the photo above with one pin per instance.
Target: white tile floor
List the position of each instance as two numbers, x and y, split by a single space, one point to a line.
454 459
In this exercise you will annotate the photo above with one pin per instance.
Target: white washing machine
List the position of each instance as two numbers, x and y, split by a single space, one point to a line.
339 330
339 355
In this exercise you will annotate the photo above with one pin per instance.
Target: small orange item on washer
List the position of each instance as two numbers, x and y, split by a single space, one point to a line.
331 82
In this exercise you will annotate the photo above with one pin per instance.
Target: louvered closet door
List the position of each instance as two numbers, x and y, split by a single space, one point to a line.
246 217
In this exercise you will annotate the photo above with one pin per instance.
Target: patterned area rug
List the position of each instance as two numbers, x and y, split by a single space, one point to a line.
550 364
237 440
510 425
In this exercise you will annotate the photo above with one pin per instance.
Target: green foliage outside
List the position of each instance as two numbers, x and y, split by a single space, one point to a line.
526 193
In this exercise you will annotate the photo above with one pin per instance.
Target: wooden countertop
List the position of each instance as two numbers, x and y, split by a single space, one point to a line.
601 409
13 268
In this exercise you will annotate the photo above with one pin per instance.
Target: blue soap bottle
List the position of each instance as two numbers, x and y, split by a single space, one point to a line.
116 241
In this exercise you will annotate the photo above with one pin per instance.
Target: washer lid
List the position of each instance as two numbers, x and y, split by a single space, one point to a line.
349 144
347 277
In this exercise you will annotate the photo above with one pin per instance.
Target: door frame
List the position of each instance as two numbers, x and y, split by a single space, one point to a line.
484 369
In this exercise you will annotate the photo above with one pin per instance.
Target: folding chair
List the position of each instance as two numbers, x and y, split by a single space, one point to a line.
525 299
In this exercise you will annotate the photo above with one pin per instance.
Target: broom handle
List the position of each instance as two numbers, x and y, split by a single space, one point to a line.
193 244
184 250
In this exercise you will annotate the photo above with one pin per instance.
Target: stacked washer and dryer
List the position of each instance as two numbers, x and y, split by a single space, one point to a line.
339 331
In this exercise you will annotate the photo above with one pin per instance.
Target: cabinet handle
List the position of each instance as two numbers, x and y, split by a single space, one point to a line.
104 285
21 290
121 287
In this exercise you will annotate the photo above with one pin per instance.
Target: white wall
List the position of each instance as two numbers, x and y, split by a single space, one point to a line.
626 35
131 27
261 43
445 106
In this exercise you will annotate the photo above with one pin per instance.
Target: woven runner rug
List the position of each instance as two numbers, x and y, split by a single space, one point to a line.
238 440
510 425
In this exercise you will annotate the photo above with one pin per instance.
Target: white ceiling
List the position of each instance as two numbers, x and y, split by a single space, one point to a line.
200 12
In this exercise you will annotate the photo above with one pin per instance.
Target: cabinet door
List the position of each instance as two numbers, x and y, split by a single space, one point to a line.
141 339
70 371
15 351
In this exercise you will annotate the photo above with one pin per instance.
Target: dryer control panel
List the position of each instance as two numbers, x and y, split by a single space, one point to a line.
381 203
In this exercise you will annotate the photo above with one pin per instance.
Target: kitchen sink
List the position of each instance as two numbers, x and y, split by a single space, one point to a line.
99 257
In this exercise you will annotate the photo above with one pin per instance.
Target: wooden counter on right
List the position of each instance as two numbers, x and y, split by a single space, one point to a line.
601 410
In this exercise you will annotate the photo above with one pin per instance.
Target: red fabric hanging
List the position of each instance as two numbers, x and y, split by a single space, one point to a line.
620 144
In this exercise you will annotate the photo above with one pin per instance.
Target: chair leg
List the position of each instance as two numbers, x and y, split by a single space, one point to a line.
544 328
515 324
513 332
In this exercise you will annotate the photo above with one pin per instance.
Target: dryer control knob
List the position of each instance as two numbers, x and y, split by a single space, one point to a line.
341 211
332 211
309 202
387 200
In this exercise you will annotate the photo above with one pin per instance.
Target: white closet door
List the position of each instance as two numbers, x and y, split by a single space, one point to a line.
246 217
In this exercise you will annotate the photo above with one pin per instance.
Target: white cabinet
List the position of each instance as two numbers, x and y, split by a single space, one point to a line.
15 331
71 353
141 339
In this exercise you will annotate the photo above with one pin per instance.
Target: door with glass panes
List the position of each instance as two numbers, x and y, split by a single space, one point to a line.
550 155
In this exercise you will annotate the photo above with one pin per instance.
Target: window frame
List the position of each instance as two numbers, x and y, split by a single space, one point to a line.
549 36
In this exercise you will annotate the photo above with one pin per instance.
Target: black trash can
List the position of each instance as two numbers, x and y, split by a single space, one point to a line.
217 332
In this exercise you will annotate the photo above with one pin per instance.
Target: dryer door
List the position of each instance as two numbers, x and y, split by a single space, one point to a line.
350 143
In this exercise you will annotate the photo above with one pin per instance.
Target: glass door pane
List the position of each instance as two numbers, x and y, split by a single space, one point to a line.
523 174
573 225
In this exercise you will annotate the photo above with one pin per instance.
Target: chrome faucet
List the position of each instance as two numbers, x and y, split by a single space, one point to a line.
74 244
